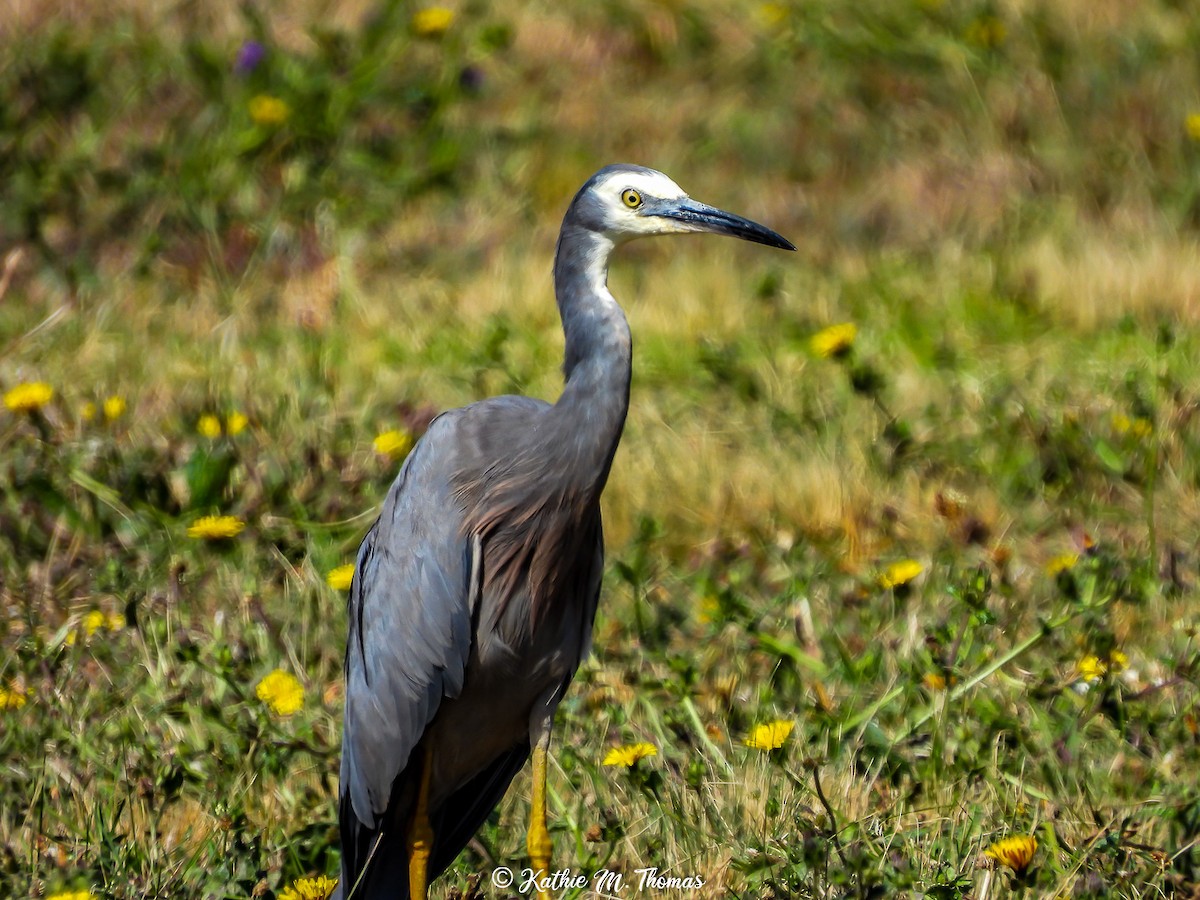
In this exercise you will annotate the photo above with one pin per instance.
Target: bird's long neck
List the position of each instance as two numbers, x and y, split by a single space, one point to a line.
591 411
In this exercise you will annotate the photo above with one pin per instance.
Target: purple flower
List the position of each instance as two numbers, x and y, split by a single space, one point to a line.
471 79
248 58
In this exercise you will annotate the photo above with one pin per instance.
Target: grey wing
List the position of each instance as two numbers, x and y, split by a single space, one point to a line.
410 614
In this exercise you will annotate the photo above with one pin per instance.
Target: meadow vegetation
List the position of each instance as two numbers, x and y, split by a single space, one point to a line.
878 597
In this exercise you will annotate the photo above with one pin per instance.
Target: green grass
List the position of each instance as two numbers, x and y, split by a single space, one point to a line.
1002 197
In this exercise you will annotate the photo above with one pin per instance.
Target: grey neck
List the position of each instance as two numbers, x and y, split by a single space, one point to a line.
597 362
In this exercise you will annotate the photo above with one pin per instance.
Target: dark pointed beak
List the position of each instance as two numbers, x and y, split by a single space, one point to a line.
696 216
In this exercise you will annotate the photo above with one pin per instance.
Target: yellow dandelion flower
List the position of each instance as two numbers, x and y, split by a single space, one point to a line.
1061 563
209 426
339 579
115 622
93 622
235 423
935 681
318 888
899 573
770 736
216 528
28 397
772 14
394 443
88 411
268 110
834 341
629 754
1015 852
710 610
114 407
85 894
432 21
282 692
1091 668
987 31
1139 427
1192 126
11 697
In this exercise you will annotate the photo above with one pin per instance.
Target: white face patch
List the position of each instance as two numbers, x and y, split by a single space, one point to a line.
651 186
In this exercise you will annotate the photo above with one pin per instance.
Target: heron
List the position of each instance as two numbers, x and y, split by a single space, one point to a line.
475 591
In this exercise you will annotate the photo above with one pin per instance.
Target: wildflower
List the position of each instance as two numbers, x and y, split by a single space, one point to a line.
900 573
1093 668
1061 563
432 21
96 619
209 426
629 755
11 698
88 411
987 32
93 622
85 894
339 579
114 407
770 736
934 681
28 397
216 528
710 610
1139 427
235 423
1192 125
772 14
282 692
248 58
318 888
394 443
268 110
835 341
1015 852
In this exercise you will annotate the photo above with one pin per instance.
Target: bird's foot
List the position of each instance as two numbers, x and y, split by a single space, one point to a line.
539 845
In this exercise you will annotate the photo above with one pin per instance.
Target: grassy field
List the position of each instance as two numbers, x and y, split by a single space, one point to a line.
954 554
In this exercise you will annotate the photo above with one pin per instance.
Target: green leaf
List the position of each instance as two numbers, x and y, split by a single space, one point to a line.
1110 457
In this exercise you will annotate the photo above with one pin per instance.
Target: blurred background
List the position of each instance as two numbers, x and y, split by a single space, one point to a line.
249 250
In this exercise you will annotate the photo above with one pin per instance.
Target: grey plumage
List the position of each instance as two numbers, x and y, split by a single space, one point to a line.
475 591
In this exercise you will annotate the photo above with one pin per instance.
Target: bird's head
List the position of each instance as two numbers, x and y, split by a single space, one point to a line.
624 202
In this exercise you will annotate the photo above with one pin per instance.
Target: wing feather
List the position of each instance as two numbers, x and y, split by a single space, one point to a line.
410 613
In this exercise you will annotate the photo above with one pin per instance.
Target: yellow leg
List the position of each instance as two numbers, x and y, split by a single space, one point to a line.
420 834
538 840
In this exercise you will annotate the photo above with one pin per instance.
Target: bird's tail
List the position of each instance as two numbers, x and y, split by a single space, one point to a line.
371 869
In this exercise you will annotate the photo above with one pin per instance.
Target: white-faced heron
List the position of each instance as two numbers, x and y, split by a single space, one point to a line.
475 591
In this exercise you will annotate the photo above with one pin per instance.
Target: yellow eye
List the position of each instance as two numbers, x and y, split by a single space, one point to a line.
631 198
